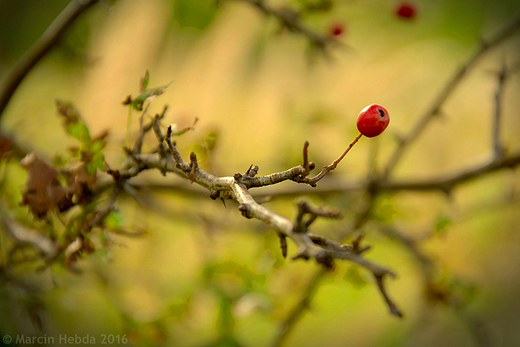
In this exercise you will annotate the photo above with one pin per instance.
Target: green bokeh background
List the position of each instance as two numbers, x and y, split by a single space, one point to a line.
203 275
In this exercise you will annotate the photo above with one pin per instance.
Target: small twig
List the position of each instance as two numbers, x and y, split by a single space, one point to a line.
194 166
498 148
140 137
150 125
391 305
326 169
329 244
308 166
174 152
23 235
158 133
305 208
143 129
109 206
252 171
40 48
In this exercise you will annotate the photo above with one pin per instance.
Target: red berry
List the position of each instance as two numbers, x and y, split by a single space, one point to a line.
337 29
373 120
406 10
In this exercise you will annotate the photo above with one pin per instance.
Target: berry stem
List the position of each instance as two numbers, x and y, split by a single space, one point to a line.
336 162
312 181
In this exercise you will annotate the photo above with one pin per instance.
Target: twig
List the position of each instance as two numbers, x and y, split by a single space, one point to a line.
143 129
304 208
447 182
287 326
40 48
23 235
110 205
393 308
312 181
506 31
179 163
291 20
498 148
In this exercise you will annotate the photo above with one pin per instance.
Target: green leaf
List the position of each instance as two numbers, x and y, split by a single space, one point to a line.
59 161
97 146
197 14
79 131
385 211
75 152
442 223
144 81
90 168
183 131
211 140
98 161
113 220
354 277
146 94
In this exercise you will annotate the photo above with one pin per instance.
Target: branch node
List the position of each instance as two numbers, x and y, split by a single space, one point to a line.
325 259
356 245
301 255
244 209
301 226
252 171
193 166
214 194
326 169
114 173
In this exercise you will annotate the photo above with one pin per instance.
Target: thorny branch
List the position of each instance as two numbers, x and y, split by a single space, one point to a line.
309 246
324 251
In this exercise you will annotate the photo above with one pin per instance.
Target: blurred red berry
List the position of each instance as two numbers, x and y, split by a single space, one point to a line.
337 29
406 10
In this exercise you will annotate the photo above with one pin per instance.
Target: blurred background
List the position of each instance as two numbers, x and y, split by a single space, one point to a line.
202 275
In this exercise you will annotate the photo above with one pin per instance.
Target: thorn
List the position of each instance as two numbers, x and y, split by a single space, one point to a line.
326 260
283 244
